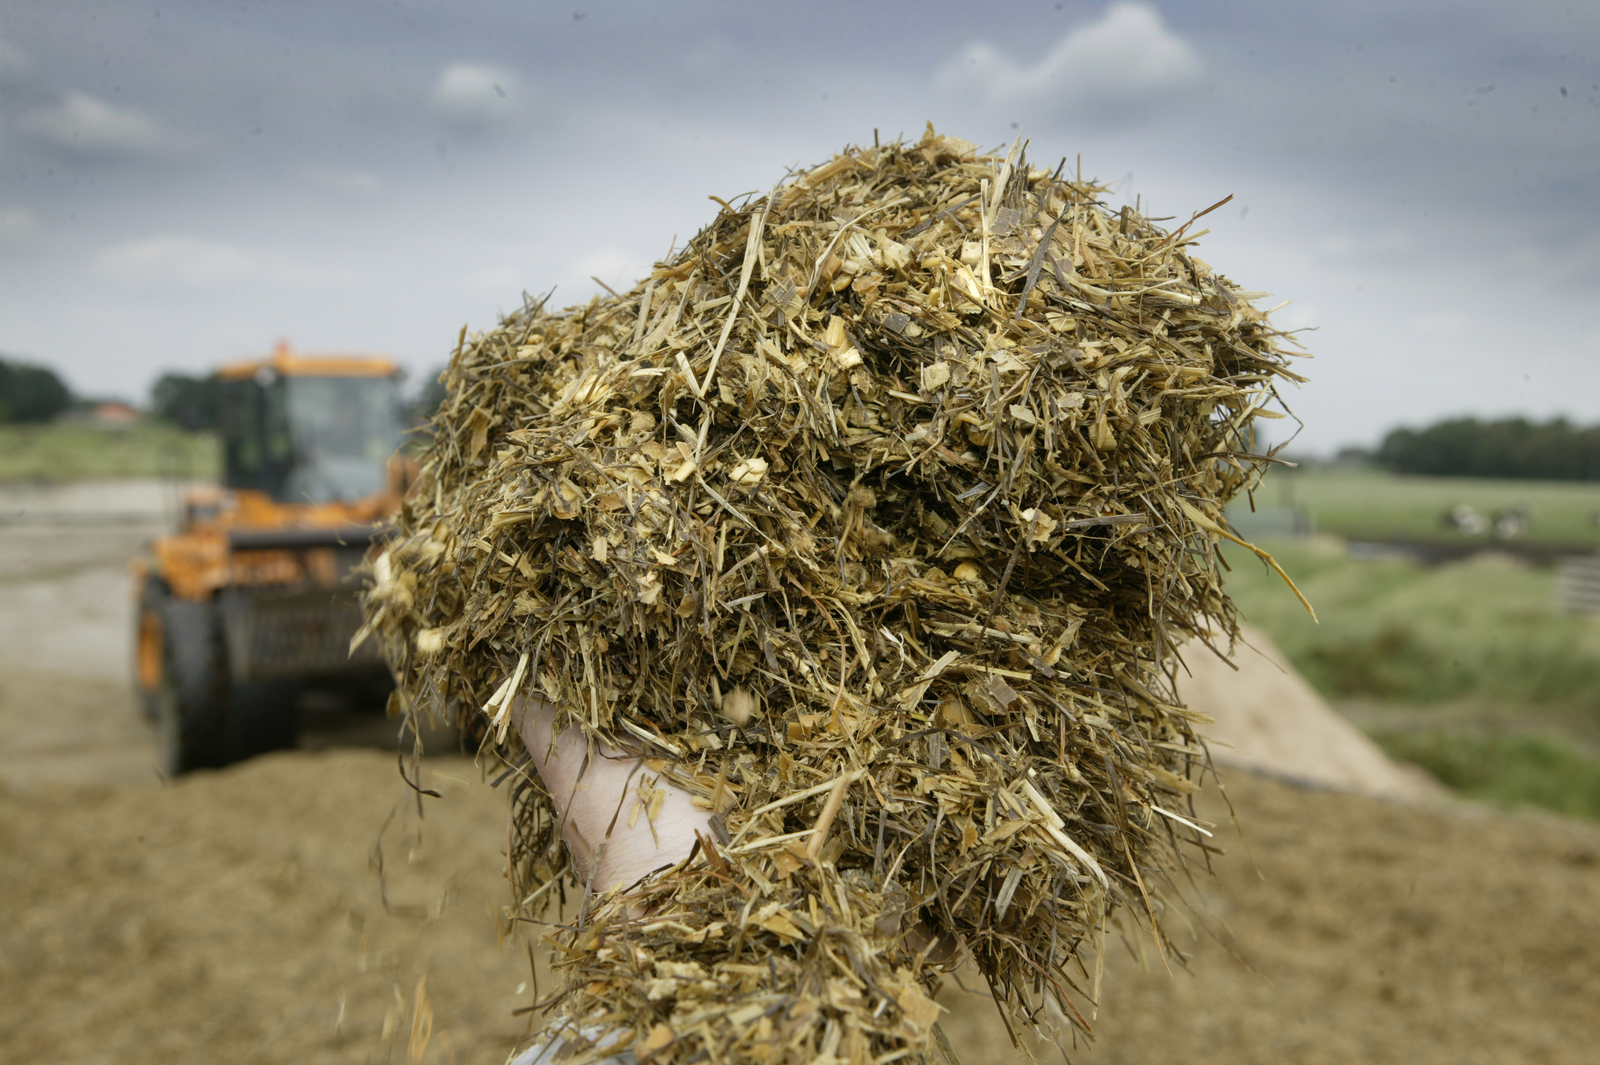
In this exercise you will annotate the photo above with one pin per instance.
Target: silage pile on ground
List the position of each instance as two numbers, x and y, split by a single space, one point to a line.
875 518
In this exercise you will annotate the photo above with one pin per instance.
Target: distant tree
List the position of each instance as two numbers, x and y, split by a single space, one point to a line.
1514 447
191 402
30 393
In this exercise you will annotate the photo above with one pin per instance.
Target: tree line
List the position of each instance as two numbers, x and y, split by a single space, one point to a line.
191 402
1459 447
1513 447
33 393
30 393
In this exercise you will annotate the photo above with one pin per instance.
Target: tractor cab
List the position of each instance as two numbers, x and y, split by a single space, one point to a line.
310 430
252 599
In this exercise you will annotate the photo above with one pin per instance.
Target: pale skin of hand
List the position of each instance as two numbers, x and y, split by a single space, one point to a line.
591 799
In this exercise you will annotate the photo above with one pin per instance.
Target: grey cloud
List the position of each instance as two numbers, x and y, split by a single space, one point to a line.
180 258
1385 209
343 180
13 60
17 224
185 262
86 125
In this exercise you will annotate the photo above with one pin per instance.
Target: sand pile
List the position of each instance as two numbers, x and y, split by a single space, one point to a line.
874 518
1268 719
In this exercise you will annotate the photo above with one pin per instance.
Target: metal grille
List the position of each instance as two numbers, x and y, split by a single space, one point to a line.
294 636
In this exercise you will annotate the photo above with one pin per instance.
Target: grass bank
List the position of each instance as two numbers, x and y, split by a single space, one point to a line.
65 451
1470 669
1515 770
1485 629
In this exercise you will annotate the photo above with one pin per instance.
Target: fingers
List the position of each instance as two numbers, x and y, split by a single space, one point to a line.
595 796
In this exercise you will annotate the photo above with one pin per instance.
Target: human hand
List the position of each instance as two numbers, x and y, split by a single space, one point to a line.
612 843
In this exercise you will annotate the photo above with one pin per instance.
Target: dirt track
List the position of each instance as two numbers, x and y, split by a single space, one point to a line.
238 915
67 711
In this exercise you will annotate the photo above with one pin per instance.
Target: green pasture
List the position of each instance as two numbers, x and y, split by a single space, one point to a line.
1371 504
1486 629
67 451
1510 769
1470 668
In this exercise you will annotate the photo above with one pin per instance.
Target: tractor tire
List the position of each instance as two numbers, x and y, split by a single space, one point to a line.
191 702
263 716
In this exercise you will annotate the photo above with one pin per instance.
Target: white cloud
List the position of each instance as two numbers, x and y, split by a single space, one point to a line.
347 181
1127 52
87 125
616 268
176 257
473 94
17 224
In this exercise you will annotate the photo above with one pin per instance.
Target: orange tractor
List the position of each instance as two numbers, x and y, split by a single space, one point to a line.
252 599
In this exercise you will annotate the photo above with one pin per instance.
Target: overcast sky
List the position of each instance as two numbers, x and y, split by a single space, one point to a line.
187 182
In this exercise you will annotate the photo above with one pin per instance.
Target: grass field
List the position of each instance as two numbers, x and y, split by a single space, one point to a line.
1486 629
1469 669
65 451
1515 769
1370 504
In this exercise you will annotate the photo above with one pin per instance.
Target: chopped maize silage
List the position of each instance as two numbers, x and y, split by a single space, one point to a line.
876 518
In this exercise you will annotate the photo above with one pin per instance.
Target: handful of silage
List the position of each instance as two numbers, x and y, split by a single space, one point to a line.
875 518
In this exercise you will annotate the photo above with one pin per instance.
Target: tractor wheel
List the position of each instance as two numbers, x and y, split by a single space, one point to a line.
191 698
264 716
